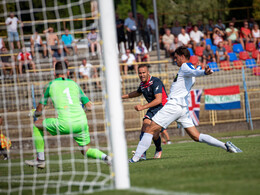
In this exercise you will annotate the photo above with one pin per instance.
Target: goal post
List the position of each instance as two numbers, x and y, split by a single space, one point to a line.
114 102
66 170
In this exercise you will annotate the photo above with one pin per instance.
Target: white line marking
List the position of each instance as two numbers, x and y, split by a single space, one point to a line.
158 191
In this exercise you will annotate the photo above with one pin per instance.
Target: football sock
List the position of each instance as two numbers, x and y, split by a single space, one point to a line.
204 138
157 144
40 156
96 154
38 142
141 136
143 145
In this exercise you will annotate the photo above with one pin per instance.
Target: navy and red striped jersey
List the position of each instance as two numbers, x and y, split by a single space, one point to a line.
152 87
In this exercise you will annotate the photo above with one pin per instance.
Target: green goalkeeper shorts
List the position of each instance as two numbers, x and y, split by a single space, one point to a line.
79 129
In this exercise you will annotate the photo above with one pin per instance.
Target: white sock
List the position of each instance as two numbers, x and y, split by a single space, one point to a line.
143 145
103 156
204 138
40 155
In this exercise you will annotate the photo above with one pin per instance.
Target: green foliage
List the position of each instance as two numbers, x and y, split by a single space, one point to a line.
256 11
171 10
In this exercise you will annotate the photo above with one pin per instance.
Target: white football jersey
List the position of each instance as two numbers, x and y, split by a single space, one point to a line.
183 83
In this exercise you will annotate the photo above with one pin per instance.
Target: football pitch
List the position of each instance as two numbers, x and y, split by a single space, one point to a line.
195 168
185 168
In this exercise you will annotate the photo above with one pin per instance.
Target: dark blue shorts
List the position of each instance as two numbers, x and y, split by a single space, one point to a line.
151 112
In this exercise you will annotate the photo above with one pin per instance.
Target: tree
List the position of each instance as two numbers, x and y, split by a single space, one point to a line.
256 9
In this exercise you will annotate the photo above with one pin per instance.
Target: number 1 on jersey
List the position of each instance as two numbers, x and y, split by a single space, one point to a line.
67 91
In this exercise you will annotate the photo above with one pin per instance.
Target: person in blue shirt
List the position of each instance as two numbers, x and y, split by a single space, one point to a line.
130 26
68 42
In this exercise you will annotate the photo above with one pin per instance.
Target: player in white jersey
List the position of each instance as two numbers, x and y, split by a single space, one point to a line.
176 108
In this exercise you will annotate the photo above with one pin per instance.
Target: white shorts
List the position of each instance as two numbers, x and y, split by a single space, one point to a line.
173 112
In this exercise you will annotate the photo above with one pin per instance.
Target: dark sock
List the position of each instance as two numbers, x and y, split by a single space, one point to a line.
141 135
157 144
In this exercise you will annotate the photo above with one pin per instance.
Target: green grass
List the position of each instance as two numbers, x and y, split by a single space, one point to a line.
198 168
185 167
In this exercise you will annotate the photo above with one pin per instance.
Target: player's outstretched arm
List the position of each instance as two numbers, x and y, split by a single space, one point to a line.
89 105
131 95
38 111
155 102
208 70
192 72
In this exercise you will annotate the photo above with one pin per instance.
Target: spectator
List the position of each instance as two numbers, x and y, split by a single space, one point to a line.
200 26
256 33
2 43
217 36
129 59
176 29
221 53
141 53
93 40
209 28
94 8
5 61
151 29
189 28
176 43
25 58
251 23
184 38
130 26
13 35
68 42
120 32
167 40
208 55
196 35
87 71
232 35
143 31
5 142
220 25
234 20
53 43
245 34
37 44
163 29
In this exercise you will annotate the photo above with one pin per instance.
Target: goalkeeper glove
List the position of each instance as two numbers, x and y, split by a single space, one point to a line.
32 112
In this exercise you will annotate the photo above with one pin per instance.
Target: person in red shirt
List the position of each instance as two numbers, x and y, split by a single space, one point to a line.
25 58
245 33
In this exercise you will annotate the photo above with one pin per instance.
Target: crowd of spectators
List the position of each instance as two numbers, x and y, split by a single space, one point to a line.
53 47
211 42
136 47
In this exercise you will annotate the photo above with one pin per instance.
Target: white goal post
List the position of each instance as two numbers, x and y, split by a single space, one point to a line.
65 170
114 101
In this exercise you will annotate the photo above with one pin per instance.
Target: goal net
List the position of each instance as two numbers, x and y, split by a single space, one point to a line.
67 171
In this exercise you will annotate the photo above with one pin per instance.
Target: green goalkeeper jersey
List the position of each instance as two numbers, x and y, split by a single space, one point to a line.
66 96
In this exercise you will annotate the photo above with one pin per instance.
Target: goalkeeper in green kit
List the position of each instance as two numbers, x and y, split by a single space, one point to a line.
66 96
